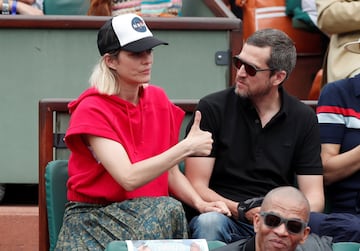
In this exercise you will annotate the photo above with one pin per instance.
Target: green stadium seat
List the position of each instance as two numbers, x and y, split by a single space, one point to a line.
66 7
346 246
56 175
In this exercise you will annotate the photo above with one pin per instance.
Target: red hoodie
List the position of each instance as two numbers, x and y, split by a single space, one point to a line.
144 130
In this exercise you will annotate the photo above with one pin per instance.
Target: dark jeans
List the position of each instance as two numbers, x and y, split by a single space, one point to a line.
340 226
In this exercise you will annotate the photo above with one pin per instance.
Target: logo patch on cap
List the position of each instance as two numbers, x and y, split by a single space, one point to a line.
128 32
138 25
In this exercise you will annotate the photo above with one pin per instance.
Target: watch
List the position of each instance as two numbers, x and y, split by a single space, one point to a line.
5 7
246 205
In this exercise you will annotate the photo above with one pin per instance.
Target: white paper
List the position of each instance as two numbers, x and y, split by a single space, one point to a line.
168 245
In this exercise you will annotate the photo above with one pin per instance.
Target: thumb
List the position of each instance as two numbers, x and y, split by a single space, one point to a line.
197 120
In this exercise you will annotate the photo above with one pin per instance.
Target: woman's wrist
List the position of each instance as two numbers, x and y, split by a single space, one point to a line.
14 7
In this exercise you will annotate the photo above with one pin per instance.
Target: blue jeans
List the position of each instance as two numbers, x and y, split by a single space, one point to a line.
215 226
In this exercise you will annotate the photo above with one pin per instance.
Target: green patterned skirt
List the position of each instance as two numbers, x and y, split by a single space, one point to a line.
92 227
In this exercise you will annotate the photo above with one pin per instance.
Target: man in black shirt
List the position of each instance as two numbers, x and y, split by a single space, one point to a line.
263 138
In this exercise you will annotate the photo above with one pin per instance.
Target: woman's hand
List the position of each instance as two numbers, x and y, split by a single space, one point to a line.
200 141
216 206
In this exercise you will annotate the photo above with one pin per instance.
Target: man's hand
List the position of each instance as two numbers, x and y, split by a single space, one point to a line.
248 208
249 215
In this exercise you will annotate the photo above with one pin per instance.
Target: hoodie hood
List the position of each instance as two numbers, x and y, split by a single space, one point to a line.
93 92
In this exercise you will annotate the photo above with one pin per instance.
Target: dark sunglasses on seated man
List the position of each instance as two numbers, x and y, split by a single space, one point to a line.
251 70
293 226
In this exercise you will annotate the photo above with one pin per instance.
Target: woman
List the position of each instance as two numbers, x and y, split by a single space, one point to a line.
123 136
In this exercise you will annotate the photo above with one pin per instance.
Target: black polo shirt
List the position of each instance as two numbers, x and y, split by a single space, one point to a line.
251 160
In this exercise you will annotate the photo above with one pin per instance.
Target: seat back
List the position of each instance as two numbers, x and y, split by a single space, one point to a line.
346 246
316 86
66 7
56 175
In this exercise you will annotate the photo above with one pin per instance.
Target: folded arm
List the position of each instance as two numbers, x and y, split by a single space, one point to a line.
338 166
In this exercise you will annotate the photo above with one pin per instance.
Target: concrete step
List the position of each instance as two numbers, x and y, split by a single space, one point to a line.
19 228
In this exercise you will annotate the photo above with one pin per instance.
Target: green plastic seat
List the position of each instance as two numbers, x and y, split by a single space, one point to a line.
66 7
56 175
346 246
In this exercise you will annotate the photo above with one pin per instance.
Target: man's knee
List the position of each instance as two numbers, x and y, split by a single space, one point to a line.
211 219
211 224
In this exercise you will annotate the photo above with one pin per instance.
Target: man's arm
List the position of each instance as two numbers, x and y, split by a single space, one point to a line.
181 188
198 170
339 166
313 188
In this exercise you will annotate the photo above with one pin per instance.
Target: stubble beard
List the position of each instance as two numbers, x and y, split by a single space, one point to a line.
257 94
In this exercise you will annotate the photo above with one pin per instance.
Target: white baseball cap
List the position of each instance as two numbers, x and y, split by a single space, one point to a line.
126 32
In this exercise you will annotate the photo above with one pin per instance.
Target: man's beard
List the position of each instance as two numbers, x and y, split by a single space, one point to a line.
258 92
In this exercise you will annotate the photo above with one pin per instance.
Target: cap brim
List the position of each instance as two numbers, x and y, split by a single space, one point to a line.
143 44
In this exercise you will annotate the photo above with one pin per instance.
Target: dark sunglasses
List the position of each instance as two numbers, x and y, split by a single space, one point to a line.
273 220
250 69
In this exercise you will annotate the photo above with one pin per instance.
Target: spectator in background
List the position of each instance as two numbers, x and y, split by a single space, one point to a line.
263 138
303 14
309 7
22 7
123 136
231 4
163 8
340 20
338 113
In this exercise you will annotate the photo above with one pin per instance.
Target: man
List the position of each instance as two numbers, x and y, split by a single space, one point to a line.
338 113
263 138
281 223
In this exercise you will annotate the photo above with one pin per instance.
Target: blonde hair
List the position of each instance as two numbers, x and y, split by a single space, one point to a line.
104 79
